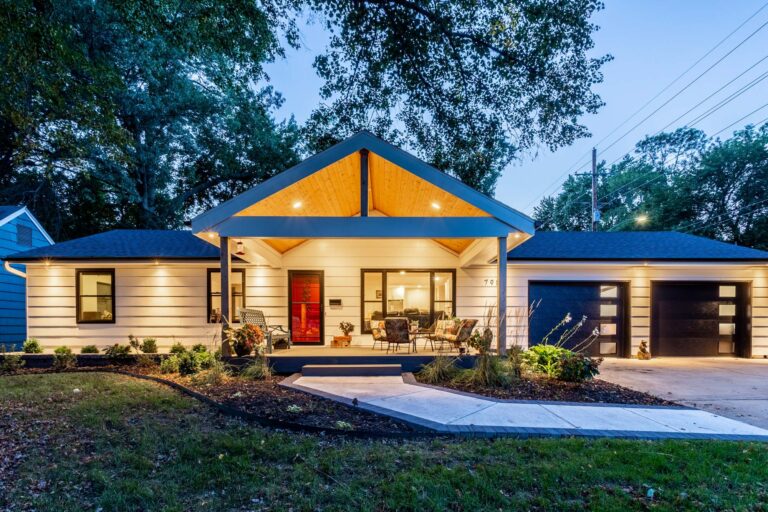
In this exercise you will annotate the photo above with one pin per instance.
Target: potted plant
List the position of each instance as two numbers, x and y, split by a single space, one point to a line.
245 339
346 339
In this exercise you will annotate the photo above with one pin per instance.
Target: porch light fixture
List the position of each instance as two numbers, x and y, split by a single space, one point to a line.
435 205
297 205
641 219
240 248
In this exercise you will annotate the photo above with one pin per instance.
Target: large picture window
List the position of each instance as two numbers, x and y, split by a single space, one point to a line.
95 291
237 294
422 296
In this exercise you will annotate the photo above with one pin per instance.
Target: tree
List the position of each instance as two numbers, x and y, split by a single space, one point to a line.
468 85
680 181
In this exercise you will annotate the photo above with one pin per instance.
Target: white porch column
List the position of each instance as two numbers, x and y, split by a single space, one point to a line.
226 264
501 282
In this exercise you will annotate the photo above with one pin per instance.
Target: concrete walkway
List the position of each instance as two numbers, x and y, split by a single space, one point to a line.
453 412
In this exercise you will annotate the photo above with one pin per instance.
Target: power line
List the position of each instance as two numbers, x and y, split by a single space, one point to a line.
579 163
758 109
689 226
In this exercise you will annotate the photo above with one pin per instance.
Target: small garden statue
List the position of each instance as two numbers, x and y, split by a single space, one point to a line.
643 353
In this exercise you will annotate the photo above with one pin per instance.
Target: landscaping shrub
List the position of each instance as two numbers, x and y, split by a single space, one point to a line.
199 348
258 369
32 346
515 360
177 348
89 349
63 358
205 359
545 359
577 367
440 370
11 363
189 364
170 364
216 373
149 346
118 353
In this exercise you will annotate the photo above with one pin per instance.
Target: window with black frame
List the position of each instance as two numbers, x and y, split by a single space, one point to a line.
95 290
237 295
422 296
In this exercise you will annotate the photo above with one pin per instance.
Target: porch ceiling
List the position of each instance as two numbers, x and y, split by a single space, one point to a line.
334 191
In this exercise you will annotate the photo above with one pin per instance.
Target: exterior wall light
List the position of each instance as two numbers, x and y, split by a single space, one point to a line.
240 248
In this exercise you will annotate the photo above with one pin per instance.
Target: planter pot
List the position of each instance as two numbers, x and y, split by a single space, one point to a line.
341 341
243 351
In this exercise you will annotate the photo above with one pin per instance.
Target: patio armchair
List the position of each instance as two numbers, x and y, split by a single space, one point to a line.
277 336
459 337
397 332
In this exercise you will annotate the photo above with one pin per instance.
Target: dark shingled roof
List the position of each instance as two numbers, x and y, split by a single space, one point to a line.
7 210
627 246
126 244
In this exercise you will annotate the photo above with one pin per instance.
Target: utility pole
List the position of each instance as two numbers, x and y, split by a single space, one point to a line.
595 211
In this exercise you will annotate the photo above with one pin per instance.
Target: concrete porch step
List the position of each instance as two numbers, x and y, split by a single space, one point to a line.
351 370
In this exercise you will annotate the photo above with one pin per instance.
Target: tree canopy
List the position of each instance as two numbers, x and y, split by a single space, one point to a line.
680 181
134 113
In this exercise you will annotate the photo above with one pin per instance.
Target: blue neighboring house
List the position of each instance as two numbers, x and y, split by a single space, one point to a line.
19 231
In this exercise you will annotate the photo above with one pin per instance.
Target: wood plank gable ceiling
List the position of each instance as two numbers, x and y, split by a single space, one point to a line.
334 191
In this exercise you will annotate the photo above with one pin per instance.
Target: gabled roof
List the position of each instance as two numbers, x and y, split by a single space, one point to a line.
125 244
8 213
398 185
629 246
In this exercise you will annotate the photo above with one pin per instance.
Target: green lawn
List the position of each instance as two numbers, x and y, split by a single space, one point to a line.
126 444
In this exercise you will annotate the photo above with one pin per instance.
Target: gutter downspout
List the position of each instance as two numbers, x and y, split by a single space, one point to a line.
7 266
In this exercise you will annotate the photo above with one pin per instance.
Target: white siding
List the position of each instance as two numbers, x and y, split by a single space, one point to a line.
169 301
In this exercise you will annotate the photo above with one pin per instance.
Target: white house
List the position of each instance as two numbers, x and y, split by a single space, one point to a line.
364 231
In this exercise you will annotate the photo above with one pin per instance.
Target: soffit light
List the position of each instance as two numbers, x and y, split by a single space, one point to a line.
435 205
641 219
297 205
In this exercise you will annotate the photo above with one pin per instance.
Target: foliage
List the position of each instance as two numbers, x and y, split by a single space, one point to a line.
177 348
294 409
213 375
578 367
468 85
89 349
440 370
199 347
11 363
682 181
118 353
346 327
515 361
258 369
343 425
545 359
206 359
64 359
189 364
170 364
31 346
244 339
149 346
136 114
490 371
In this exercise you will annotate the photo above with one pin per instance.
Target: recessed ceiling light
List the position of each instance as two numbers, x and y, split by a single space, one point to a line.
297 205
641 219
435 205
517 235
402 272
211 234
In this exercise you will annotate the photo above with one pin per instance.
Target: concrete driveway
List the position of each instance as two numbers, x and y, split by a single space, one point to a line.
736 388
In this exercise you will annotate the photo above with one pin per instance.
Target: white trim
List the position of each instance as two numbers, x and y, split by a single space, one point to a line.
22 210
7 266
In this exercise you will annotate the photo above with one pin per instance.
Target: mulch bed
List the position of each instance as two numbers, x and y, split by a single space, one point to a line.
542 388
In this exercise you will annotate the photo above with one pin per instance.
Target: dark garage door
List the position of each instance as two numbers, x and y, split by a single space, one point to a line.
602 303
701 319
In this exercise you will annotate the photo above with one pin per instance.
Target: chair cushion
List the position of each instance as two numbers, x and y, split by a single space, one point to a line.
451 327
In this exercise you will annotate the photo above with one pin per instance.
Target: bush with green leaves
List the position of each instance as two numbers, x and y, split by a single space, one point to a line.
440 370
578 367
32 346
118 353
545 359
11 363
170 364
149 346
258 369
205 359
89 349
199 348
189 364
214 375
63 358
177 348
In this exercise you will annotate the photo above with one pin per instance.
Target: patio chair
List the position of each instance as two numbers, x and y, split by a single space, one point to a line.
461 336
379 333
398 332
277 336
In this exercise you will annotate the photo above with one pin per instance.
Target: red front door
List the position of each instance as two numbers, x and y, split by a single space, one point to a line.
305 306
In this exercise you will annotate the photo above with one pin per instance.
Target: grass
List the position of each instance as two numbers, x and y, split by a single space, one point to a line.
125 444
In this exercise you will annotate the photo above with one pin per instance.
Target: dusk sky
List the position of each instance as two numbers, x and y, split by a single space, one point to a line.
652 43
